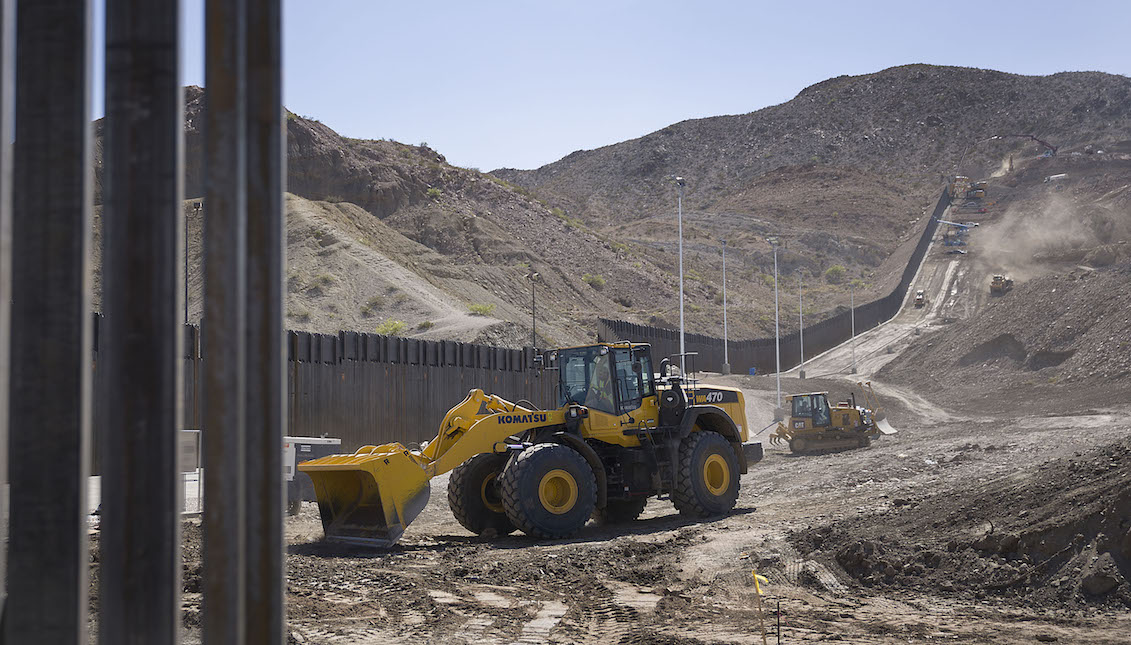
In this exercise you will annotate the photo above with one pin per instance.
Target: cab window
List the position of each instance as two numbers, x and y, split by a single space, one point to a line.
586 379
802 407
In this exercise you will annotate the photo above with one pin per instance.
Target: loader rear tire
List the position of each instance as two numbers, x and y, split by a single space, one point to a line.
549 491
707 477
474 496
620 511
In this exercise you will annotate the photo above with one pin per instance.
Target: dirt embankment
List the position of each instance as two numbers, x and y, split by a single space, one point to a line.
1057 342
1051 535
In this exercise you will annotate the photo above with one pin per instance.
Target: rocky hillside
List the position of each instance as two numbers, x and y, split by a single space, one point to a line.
842 175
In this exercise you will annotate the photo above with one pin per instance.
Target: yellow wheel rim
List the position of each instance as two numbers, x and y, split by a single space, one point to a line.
489 495
557 491
716 475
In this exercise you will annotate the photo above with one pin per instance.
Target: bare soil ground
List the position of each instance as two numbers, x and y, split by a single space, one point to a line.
960 528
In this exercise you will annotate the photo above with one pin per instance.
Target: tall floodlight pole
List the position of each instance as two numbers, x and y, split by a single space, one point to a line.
800 329
533 320
777 323
679 217
852 308
726 351
197 207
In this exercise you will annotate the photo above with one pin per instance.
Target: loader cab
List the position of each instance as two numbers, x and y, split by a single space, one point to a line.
614 379
812 407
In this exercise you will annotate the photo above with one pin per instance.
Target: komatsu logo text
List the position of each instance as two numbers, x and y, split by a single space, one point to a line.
537 417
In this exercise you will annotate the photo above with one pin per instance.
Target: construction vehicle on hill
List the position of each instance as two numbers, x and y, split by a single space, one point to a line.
962 187
1000 284
620 435
814 427
920 298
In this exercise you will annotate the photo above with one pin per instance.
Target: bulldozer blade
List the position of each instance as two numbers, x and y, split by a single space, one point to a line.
369 497
884 427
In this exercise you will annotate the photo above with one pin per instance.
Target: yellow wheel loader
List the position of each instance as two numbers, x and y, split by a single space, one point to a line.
814 427
619 435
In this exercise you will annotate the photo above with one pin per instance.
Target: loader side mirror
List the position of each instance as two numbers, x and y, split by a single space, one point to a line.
665 366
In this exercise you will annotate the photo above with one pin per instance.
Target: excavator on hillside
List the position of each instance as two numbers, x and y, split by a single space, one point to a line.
619 435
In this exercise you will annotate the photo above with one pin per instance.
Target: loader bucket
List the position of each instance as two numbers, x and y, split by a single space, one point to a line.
369 497
884 427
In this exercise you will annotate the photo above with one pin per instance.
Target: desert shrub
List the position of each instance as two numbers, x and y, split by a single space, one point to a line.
434 194
481 310
594 280
391 327
835 274
426 325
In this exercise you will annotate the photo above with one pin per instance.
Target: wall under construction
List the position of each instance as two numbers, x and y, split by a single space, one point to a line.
758 353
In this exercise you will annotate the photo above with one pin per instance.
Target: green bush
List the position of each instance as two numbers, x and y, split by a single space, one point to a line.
426 325
481 310
835 274
434 194
392 327
595 281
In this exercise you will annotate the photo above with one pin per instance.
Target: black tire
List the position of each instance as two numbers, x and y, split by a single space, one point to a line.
549 491
474 497
620 511
707 479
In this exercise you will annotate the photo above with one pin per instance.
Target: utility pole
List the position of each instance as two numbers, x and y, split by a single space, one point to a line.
777 323
533 319
726 351
852 301
197 208
800 329
682 347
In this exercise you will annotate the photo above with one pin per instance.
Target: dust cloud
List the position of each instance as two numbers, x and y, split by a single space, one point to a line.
1031 239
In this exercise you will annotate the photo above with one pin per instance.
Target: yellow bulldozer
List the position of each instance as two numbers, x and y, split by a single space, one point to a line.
620 435
814 427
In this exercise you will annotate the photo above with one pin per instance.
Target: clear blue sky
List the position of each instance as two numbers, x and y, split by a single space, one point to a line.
520 84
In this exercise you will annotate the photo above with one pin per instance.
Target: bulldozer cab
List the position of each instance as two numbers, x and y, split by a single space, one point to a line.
810 409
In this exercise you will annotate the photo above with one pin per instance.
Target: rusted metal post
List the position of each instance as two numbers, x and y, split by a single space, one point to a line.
266 352
7 77
142 216
50 326
223 322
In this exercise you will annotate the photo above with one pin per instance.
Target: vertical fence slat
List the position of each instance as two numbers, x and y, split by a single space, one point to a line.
266 412
225 229
7 78
50 311
143 218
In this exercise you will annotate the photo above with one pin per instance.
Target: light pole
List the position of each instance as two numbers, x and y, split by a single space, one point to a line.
533 277
777 326
726 352
679 217
800 329
852 308
197 208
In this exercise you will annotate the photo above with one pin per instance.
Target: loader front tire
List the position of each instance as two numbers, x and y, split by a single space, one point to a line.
474 496
707 477
549 491
620 511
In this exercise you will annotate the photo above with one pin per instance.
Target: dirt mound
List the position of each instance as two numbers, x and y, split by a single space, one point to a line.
1058 534
1054 330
